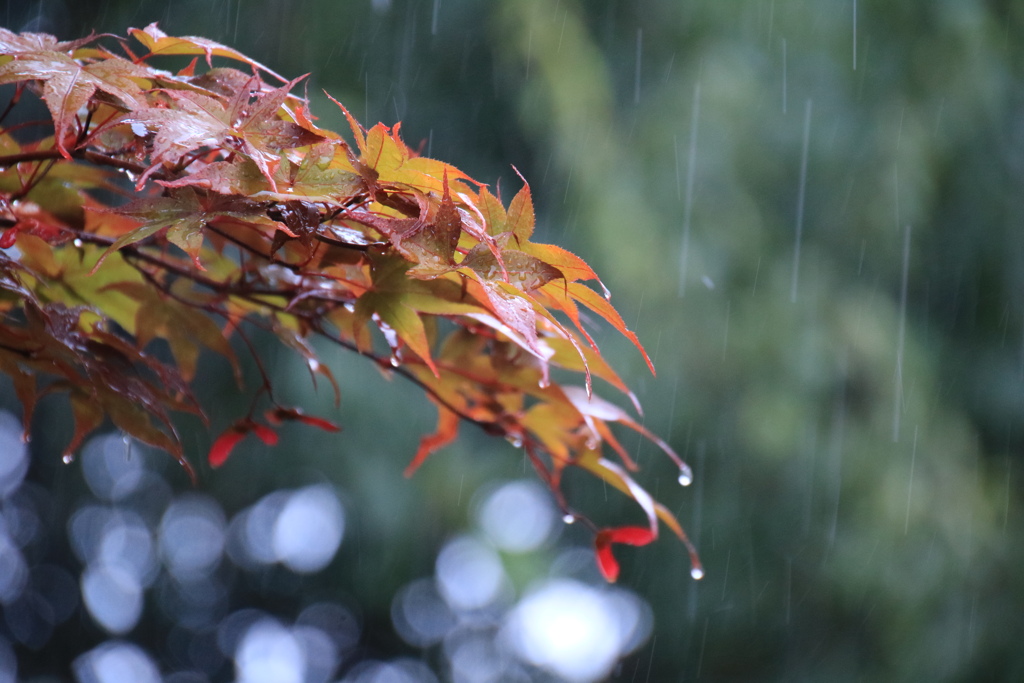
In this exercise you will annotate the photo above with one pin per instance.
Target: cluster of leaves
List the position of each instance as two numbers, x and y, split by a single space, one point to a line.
236 209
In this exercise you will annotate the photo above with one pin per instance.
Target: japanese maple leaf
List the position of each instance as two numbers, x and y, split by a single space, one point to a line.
310 181
433 243
183 215
11 42
262 133
68 85
198 120
159 43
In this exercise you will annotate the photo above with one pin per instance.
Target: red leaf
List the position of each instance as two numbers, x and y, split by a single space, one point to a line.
9 237
227 441
606 562
320 422
629 535
279 414
224 444
265 434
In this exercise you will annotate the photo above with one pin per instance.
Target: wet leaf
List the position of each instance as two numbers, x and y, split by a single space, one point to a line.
447 430
629 535
520 220
224 444
159 43
292 231
281 414
68 85
524 272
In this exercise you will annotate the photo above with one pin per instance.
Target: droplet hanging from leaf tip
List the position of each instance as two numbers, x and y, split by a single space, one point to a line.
515 440
685 476
68 458
395 362
77 242
697 573
569 518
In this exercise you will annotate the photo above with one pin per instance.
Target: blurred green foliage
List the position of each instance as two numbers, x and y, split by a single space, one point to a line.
851 400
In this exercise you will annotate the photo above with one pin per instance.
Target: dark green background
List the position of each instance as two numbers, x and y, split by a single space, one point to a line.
856 438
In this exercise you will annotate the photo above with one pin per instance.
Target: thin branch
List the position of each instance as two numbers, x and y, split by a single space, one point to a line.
53 154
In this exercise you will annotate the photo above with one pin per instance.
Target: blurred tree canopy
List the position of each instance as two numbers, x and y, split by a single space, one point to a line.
812 209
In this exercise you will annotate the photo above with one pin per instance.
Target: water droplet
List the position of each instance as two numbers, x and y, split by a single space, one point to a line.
569 518
685 477
68 458
515 440
697 573
77 242
395 362
314 365
544 382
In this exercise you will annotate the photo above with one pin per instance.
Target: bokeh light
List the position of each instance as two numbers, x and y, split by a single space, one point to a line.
396 671
269 653
116 662
309 529
13 568
112 466
518 516
192 535
420 615
574 630
8 662
470 574
113 596
13 455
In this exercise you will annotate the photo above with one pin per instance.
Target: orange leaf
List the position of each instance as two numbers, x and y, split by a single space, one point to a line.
447 430
571 266
159 42
599 305
494 214
520 215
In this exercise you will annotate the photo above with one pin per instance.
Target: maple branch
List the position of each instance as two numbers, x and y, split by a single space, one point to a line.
302 217
53 154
